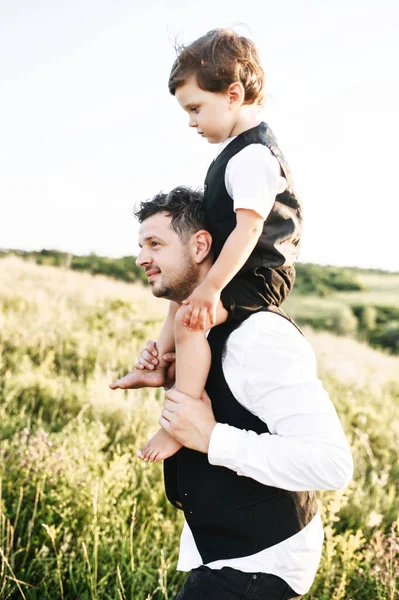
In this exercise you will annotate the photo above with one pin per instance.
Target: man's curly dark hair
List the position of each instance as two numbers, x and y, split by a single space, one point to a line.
183 204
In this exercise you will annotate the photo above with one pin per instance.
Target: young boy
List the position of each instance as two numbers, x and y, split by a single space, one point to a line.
254 216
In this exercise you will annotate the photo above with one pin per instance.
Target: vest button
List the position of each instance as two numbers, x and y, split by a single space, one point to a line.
254 577
205 187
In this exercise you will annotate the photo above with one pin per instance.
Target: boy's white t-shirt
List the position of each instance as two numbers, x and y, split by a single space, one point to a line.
253 178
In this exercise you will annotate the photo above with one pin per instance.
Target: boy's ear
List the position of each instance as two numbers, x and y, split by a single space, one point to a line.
236 94
202 245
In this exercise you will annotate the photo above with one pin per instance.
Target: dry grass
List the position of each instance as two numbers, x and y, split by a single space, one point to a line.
354 362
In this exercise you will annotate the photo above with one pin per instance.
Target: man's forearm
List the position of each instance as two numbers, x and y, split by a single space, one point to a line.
292 463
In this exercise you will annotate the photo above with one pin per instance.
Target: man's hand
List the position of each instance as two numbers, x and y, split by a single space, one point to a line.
201 306
189 421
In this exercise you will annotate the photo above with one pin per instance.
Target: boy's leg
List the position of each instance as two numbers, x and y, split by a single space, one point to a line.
193 355
141 377
161 445
193 360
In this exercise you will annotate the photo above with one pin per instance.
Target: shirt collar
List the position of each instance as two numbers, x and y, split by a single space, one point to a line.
223 145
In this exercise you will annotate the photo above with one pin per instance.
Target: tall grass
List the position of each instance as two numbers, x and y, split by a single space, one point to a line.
82 518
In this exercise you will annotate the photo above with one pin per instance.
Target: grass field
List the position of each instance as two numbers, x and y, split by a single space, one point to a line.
82 518
379 289
370 313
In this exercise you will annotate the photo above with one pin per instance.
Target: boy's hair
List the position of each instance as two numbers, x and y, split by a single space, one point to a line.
183 204
218 59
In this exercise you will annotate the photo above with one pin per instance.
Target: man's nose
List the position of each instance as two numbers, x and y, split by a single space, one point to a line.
143 258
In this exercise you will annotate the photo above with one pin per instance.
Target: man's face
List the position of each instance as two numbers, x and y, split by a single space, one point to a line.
171 271
210 112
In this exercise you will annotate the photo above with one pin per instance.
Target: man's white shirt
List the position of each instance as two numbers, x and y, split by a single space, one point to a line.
271 370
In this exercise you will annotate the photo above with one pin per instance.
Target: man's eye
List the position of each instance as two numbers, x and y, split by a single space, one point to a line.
153 244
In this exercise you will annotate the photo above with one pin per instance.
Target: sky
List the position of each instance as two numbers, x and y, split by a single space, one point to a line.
88 127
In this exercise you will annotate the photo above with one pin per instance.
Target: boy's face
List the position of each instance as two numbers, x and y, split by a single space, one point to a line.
211 113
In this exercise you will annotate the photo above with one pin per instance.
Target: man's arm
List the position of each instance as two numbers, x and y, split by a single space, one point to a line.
274 377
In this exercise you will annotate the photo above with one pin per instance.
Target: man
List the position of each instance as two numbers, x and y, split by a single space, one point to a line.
253 454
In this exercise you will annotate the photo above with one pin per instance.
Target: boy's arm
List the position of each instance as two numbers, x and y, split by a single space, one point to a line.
253 179
233 256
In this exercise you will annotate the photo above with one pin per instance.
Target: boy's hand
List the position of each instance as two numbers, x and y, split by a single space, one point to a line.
148 357
201 306
148 361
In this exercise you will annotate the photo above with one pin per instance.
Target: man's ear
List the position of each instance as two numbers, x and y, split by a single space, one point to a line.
202 241
236 94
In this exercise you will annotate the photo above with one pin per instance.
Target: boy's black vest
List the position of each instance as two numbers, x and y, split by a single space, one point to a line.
231 515
279 242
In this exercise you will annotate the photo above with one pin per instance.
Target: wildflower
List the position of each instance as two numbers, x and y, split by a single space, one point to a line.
374 519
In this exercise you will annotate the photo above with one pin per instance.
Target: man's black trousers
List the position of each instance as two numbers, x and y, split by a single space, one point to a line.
228 584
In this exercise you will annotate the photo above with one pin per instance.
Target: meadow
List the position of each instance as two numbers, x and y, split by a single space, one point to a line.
82 518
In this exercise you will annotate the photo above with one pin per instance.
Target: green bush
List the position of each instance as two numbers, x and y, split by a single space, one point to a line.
379 325
367 316
376 314
323 280
344 322
124 269
387 336
340 320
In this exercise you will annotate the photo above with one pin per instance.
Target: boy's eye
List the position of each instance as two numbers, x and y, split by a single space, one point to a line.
153 244
194 109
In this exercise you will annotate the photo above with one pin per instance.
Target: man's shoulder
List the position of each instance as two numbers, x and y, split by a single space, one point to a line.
266 321
267 352
271 332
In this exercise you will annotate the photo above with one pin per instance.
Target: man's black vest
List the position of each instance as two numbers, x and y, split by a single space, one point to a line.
279 242
230 515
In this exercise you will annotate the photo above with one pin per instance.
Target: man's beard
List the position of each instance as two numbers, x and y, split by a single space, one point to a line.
182 286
